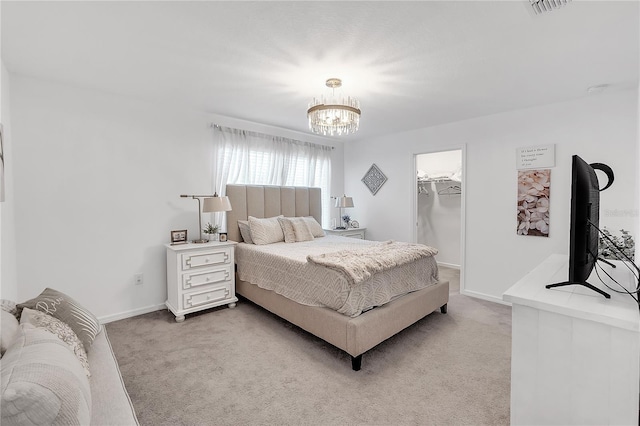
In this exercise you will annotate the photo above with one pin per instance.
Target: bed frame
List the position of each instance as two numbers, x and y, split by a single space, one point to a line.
353 335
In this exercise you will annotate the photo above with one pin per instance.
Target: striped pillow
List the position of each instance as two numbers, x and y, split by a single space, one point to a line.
59 305
265 231
43 382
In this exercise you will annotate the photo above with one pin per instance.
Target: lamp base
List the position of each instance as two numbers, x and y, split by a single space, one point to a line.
199 241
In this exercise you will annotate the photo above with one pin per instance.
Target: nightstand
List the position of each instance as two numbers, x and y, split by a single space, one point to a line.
351 232
200 276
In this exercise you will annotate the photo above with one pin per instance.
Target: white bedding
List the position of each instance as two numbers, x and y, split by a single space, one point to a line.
283 268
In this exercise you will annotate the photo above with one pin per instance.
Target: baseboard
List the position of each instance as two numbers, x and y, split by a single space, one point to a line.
133 313
483 296
449 265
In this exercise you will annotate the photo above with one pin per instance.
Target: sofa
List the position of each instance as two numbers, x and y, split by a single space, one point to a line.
58 367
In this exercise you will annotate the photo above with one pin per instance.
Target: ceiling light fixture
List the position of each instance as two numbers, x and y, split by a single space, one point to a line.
541 6
334 115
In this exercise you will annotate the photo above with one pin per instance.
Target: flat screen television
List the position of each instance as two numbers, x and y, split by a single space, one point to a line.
585 218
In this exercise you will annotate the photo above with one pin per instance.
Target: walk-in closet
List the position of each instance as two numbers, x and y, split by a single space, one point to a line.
439 203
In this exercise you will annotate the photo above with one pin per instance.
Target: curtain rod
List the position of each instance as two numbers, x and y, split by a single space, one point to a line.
214 125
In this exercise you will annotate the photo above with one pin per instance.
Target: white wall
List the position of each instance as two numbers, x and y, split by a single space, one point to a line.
8 273
600 128
97 185
438 215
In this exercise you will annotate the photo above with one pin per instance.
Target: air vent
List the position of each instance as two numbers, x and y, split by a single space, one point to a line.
541 6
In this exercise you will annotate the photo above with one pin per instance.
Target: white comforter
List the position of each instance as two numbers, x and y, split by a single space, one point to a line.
283 268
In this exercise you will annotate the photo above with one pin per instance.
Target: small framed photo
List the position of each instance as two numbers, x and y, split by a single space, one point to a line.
179 237
223 236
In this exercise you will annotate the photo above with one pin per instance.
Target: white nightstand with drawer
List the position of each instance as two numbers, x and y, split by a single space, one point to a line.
351 232
200 276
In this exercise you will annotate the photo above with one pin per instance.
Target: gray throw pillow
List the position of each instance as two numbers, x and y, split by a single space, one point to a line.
59 305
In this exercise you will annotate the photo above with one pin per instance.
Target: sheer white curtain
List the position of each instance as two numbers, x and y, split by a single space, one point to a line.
244 157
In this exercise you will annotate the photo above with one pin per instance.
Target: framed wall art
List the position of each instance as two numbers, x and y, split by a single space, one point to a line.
374 179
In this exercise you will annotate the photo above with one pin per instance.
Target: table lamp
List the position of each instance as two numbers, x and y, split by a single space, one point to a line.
343 202
212 203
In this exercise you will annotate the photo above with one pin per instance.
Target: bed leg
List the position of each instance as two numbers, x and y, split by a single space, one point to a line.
443 308
356 362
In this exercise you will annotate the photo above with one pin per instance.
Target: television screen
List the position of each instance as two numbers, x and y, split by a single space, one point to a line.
585 218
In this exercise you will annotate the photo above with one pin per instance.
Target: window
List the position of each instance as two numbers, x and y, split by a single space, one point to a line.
243 157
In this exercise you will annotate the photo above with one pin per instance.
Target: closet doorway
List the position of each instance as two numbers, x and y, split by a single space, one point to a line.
439 213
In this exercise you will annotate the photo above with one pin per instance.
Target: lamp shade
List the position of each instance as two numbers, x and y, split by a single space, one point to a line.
216 204
344 201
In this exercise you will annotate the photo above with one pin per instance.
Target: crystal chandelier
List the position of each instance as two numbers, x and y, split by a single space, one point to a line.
334 115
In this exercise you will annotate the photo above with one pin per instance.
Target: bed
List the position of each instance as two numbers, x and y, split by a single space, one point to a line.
356 330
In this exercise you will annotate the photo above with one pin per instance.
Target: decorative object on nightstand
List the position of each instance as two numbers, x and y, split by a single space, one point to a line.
212 231
179 237
351 233
342 203
212 203
374 179
354 224
222 237
200 277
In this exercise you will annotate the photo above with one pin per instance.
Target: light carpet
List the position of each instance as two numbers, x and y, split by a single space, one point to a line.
247 366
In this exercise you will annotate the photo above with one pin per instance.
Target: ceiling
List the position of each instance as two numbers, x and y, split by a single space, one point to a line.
411 64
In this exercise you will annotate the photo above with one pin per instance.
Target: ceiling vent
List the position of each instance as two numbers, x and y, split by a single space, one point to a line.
541 6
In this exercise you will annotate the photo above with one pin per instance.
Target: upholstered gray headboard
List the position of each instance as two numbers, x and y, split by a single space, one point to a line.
269 201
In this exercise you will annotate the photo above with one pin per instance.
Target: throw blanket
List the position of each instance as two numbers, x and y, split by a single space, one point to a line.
358 265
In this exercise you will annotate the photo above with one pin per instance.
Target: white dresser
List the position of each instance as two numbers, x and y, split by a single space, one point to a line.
200 276
351 232
575 355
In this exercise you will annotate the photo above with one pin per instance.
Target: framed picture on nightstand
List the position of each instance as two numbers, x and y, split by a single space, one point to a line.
179 237
223 237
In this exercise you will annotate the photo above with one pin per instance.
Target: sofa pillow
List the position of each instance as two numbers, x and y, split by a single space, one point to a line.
8 330
314 226
265 231
243 225
61 329
59 305
43 382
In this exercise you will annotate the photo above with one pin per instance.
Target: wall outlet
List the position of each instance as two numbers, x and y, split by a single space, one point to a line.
138 279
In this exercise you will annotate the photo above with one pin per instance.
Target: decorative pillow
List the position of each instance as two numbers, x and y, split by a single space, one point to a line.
287 229
301 229
59 305
243 225
265 231
9 327
61 329
9 306
43 382
295 229
314 226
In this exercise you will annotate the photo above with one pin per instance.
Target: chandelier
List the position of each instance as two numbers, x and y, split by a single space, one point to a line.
334 115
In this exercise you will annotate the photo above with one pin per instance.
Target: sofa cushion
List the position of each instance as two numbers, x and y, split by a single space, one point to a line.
61 329
8 330
43 382
59 305
111 402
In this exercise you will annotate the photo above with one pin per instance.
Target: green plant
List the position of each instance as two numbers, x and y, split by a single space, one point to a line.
610 246
211 229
